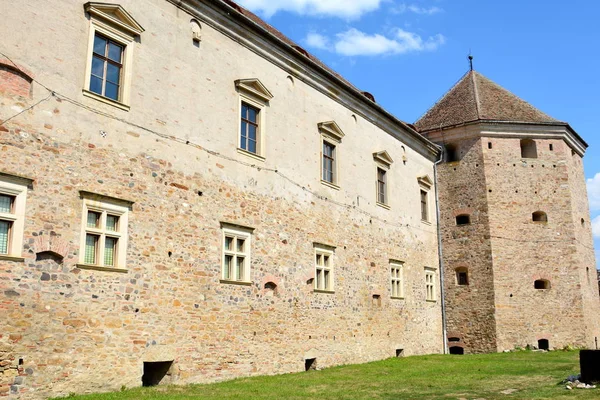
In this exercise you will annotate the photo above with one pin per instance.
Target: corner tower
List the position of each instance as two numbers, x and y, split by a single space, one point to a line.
517 242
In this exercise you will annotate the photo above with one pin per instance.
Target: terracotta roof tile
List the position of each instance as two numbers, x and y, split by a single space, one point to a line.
476 98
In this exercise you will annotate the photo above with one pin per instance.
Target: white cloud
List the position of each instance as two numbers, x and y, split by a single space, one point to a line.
403 8
332 8
317 41
593 188
596 227
356 43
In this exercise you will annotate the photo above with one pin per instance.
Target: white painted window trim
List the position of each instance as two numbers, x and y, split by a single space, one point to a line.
261 132
104 206
14 188
336 154
128 42
329 251
430 289
236 232
397 279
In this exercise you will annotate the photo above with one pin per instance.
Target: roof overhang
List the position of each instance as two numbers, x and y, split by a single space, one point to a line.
510 130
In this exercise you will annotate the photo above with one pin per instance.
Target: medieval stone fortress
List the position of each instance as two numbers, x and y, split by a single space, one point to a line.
187 196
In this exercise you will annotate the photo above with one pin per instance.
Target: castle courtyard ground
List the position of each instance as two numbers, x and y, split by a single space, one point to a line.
516 375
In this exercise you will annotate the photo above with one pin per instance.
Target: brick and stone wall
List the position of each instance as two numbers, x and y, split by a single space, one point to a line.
68 329
470 308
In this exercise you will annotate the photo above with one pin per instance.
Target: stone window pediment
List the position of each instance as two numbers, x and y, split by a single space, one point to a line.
116 15
383 158
254 88
332 130
425 182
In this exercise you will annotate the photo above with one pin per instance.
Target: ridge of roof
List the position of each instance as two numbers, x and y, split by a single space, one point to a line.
476 98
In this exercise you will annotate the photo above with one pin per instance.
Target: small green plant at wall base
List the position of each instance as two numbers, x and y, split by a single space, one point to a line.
521 375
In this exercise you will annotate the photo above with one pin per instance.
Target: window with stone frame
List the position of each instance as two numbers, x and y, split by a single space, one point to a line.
323 268
329 163
397 279
13 195
250 128
383 163
104 232
236 257
113 33
424 206
430 293
254 100
331 138
381 186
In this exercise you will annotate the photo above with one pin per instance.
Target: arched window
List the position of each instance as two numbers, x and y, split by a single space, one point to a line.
463 219
452 153
457 350
528 149
462 276
454 339
539 216
541 284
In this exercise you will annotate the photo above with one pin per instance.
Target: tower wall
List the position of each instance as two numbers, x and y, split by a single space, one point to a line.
470 308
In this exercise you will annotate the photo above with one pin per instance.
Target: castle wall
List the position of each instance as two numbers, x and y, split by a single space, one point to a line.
525 251
470 307
173 154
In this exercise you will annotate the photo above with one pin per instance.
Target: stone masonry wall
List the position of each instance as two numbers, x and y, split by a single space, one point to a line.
79 330
525 251
470 308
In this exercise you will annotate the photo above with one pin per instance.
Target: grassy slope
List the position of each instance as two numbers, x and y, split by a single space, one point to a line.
535 375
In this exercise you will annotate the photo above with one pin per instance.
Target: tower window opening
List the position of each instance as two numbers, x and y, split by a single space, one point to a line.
489 145
452 153
551 146
463 219
539 216
528 149
541 284
462 276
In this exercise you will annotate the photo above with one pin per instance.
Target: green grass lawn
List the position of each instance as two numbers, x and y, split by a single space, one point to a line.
534 376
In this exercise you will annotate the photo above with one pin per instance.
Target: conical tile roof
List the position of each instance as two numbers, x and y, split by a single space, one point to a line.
476 98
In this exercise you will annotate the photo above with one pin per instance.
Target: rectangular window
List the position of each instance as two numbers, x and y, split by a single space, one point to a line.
430 284
104 233
397 279
107 67
329 162
381 186
236 254
250 132
424 206
13 192
323 268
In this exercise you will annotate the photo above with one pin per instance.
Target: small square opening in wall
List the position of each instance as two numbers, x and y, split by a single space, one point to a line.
377 300
155 372
399 353
543 344
457 350
310 364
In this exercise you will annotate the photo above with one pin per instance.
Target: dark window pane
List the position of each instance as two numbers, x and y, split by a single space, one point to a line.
252 112
112 91
244 137
244 110
113 73
97 67
252 132
114 52
96 85
251 146
99 45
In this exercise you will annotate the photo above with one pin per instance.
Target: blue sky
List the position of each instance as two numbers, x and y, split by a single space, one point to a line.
409 53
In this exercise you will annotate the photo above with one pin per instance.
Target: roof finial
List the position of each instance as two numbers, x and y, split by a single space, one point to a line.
471 61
